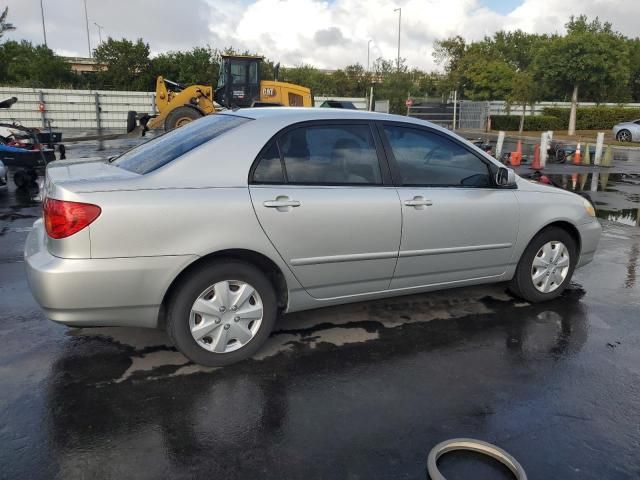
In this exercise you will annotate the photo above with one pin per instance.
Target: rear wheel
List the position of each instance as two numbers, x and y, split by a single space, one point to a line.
131 121
222 313
180 116
623 136
546 266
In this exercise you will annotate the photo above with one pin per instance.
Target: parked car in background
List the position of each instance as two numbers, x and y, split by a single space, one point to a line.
213 229
627 131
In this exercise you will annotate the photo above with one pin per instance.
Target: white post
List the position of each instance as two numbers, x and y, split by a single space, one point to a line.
455 106
499 144
599 144
550 135
371 109
594 181
544 146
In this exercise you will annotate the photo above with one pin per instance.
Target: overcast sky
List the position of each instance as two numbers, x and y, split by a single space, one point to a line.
327 34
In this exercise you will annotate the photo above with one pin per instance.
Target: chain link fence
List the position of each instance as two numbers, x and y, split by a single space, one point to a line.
466 114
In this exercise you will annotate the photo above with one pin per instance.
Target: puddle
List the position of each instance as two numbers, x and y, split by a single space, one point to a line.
616 196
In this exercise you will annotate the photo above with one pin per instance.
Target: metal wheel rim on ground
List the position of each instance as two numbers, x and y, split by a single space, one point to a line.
226 316
550 266
472 445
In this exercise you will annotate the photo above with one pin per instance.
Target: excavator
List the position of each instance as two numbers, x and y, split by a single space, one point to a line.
239 86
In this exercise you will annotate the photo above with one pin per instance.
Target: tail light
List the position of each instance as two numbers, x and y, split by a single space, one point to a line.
62 219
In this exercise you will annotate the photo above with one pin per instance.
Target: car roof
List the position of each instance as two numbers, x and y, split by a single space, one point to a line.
300 114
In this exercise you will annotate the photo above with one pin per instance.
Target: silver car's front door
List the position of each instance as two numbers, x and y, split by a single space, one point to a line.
457 225
322 201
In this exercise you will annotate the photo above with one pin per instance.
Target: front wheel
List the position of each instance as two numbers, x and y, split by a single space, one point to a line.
181 116
546 266
222 313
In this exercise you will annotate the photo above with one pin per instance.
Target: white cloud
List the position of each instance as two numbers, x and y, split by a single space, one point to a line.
329 34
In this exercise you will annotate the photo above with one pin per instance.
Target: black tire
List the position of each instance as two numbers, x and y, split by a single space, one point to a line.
522 284
180 116
624 133
196 282
131 121
20 179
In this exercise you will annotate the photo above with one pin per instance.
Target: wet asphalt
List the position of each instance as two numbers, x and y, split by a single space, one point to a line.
357 392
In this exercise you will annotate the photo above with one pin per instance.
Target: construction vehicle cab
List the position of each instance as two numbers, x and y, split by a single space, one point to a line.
239 86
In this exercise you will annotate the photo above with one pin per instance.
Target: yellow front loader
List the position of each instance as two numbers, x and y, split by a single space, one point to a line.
239 86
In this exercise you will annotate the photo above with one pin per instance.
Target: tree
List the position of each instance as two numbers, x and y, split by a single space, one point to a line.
26 65
4 25
485 79
197 66
634 63
589 58
524 91
124 65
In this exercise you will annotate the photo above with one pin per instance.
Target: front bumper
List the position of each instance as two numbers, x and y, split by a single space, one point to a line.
99 292
589 239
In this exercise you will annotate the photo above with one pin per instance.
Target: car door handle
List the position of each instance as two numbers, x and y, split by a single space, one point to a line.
281 203
418 202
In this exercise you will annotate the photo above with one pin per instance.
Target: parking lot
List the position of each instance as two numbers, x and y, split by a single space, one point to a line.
358 391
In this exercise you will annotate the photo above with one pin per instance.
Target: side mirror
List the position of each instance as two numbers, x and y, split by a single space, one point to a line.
506 177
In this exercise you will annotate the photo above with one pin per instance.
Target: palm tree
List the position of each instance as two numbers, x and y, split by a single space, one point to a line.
4 25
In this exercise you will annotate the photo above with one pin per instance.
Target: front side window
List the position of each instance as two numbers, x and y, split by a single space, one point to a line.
428 159
167 147
330 155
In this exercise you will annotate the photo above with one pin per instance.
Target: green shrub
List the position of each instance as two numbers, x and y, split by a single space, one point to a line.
531 123
593 118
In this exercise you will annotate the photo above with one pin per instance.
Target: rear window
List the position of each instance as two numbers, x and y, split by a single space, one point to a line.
167 147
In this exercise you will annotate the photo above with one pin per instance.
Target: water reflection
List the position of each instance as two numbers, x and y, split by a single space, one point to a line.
610 192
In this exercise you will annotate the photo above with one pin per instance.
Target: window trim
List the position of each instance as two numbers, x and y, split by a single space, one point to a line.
385 170
395 169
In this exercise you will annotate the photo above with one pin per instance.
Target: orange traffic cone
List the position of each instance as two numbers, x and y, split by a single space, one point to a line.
516 157
577 157
536 158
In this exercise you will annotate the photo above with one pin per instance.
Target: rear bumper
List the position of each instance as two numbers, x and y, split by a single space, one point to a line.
589 237
98 292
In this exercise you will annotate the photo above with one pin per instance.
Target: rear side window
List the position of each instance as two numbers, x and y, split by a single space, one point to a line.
167 147
330 155
269 168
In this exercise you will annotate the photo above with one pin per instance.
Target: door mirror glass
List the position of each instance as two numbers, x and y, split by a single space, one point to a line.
506 177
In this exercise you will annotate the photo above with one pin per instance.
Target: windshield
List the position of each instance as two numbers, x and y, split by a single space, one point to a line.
167 147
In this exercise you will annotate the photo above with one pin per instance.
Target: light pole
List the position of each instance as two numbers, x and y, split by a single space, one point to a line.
399 10
86 21
368 50
100 27
44 31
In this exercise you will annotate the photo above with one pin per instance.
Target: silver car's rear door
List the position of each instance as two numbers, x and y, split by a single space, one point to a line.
323 199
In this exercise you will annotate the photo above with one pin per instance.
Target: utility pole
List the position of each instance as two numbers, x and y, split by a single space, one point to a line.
44 31
86 21
368 50
100 27
399 10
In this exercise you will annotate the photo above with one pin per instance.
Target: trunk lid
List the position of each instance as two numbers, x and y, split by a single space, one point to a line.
90 175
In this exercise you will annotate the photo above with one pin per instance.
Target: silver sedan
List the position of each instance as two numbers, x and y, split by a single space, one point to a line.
213 230
627 131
